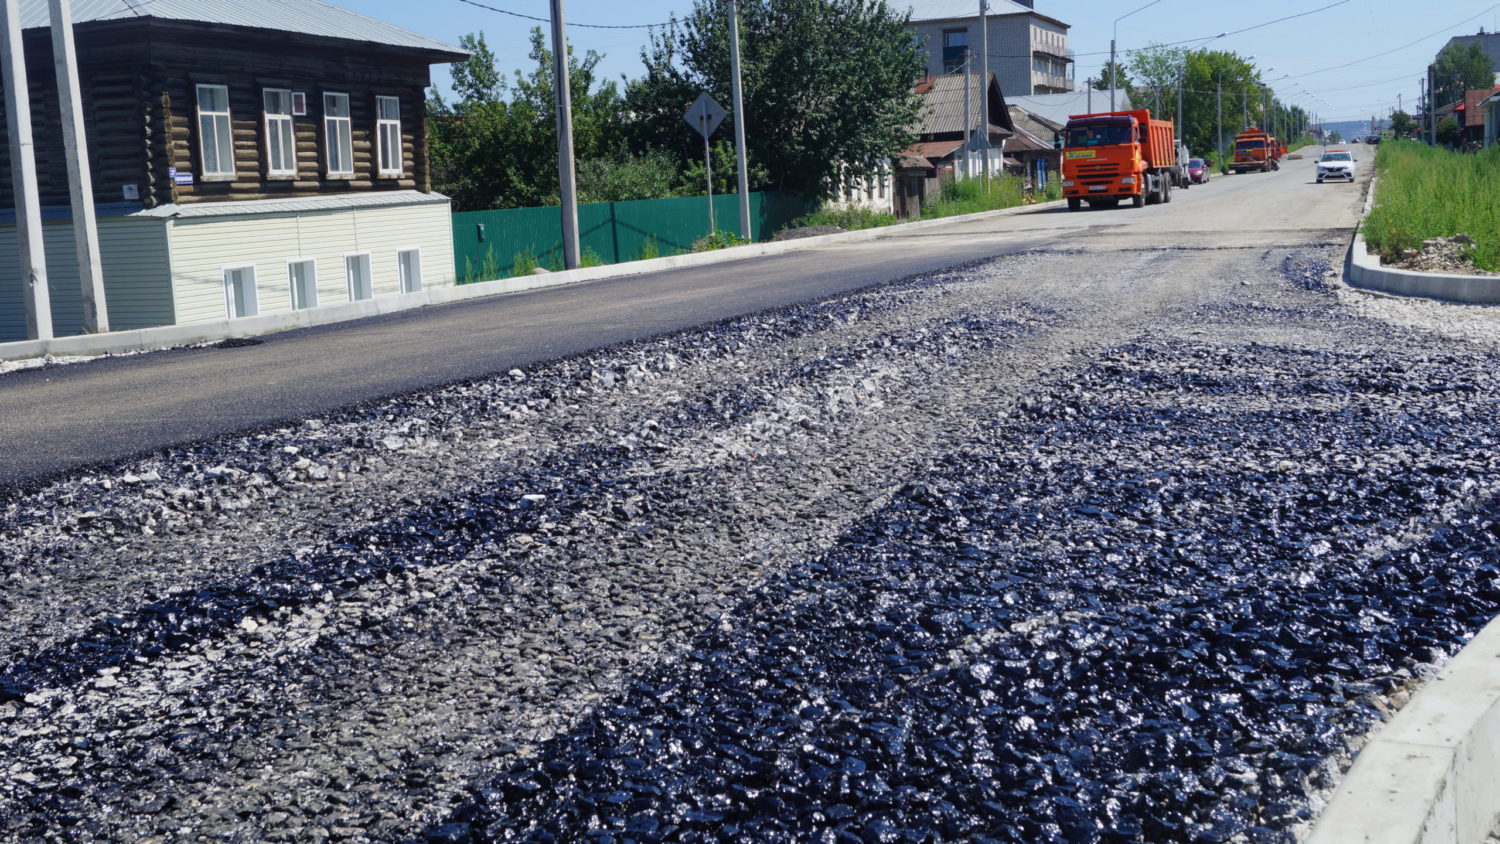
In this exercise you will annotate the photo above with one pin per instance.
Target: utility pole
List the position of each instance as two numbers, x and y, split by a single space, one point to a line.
1244 108
563 94
1112 74
1181 80
1431 106
80 180
968 121
1421 101
23 177
1089 86
984 87
1219 104
739 119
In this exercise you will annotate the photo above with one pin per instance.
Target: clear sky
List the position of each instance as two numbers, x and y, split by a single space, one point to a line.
1386 44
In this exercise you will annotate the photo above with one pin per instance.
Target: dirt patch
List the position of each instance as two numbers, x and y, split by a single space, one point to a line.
807 231
1442 255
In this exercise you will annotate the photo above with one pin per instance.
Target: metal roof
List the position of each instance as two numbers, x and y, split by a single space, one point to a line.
941 10
307 17
334 202
943 105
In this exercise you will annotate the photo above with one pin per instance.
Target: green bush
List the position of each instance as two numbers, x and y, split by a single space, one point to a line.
1426 192
650 249
718 240
849 219
523 263
486 270
969 197
590 258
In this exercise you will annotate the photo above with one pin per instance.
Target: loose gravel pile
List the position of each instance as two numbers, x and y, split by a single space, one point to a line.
964 557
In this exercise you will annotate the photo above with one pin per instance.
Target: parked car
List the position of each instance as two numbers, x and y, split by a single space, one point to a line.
1336 164
1198 171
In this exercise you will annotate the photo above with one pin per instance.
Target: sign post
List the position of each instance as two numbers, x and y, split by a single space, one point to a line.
705 115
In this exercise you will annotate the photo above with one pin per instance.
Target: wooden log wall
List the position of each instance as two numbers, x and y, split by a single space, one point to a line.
140 103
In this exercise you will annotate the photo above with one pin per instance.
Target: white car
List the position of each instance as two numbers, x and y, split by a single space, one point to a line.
1336 164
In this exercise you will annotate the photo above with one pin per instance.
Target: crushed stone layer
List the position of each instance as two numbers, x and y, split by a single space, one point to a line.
1103 543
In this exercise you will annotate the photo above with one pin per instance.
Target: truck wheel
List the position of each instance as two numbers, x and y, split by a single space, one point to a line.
1138 200
1074 203
1167 191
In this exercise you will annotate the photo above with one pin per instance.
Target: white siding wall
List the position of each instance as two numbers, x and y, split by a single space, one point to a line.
133 253
202 247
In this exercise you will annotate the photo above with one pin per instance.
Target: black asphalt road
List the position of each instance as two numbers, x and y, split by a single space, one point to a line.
57 419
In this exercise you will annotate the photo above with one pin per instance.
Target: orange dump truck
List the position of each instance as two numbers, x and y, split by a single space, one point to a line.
1113 155
1254 149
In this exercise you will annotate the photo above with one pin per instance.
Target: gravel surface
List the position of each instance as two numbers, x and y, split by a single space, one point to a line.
1099 543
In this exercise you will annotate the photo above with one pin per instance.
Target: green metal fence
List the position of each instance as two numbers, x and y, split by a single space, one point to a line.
490 244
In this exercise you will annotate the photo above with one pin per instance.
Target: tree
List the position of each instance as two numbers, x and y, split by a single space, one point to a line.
495 147
1207 72
1460 68
1449 133
1122 78
827 87
1402 125
1158 70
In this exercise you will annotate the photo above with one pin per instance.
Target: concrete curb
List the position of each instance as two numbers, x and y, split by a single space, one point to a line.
116 342
1429 775
1362 269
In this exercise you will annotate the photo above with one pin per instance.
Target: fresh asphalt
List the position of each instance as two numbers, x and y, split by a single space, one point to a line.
57 419
60 418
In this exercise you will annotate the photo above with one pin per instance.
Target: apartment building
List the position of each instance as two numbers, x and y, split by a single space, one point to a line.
1028 51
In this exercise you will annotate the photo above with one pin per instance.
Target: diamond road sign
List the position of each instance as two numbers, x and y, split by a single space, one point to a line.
704 114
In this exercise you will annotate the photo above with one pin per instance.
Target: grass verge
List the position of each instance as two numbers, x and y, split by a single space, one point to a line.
1426 192
970 197
848 219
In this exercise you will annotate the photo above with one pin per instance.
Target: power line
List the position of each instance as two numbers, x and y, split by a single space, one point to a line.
1402 47
570 23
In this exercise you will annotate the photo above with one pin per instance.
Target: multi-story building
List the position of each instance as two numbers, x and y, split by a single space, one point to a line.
1029 51
248 158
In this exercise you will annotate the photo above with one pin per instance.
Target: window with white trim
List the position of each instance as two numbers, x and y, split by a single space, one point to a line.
409 268
240 299
337 141
357 271
388 135
303 278
215 139
281 144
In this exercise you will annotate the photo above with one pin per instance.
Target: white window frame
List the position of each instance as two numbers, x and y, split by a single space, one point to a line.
312 281
231 306
369 268
405 282
338 136
221 125
388 137
281 134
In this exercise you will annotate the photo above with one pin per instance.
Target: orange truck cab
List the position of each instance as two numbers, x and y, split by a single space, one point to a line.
1113 155
1254 150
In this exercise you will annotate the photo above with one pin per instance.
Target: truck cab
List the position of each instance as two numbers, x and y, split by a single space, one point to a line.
1111 156
1254 149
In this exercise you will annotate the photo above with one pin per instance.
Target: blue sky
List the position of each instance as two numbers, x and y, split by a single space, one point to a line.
1300 56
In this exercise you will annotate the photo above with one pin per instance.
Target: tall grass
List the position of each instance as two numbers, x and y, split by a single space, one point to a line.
1425 192
848 219
969 197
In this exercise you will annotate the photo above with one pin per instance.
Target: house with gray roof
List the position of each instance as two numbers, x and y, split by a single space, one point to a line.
248 157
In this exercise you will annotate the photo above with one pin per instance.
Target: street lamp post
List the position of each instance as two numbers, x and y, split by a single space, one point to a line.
1114 71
